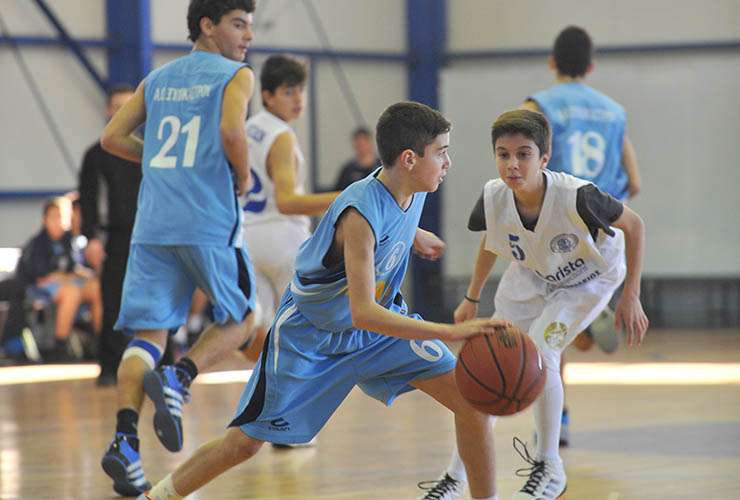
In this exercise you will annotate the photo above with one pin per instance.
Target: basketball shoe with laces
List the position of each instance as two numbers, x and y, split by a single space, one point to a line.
604 334
444 488
168 393
123 464
546 479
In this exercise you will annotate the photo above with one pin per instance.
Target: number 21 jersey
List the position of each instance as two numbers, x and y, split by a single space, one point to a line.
187 194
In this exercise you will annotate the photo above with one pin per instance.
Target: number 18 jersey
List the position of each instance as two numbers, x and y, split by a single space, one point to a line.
187 194
587 135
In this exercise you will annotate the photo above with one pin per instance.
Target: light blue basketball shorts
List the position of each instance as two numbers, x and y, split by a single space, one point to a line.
305 373
160 281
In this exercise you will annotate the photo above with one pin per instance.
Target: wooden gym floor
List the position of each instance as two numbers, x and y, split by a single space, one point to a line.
653 429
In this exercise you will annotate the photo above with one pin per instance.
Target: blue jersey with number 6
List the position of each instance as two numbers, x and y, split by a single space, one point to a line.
320 292
187 192
587 135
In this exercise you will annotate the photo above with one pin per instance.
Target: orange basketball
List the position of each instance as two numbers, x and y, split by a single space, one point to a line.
500 373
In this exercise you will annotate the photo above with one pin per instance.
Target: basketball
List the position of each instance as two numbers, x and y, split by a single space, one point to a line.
500 373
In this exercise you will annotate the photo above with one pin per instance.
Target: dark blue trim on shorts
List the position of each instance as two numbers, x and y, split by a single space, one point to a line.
245 284
257 401
237 223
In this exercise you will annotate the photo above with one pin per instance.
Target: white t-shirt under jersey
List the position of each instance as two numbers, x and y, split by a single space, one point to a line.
259 204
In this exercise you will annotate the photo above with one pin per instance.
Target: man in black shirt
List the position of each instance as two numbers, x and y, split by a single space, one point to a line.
364 162
109 188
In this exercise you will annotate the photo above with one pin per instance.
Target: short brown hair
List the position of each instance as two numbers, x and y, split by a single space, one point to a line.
408 125
213 10
530 124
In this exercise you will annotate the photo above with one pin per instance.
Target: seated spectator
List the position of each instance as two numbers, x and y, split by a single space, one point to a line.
47 268
364 162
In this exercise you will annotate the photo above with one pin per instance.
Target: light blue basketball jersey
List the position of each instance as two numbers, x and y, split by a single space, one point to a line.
320 293
187 194
587 135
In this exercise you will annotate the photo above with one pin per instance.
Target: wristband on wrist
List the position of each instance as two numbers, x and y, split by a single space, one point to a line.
471 300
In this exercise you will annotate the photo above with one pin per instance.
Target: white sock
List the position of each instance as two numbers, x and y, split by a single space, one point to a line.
456 469
548 411
164 490
195 322
494 497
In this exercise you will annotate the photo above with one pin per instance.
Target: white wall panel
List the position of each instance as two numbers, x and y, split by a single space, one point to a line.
375 86
502 24
30 158
379 25
81 18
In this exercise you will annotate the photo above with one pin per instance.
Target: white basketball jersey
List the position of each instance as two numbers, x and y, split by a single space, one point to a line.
259 204
560 250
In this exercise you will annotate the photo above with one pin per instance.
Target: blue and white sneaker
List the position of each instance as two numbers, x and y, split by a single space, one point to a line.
168 395
123 464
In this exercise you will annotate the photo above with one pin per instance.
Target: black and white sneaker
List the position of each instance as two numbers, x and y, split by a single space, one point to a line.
546 479
444 488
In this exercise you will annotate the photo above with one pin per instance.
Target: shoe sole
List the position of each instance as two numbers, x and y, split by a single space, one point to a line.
165 425
309 444
130 491
605 335
115 469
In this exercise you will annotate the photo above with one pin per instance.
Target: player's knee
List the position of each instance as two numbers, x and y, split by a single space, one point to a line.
238 447
550 355
149 352
470 418
68 293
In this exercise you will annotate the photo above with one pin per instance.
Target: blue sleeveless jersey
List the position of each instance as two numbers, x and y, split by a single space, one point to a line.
320 293
587 135
187 194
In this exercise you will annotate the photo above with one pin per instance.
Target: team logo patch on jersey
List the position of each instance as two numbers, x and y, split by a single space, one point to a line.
564 243
391 260
555 334
255 133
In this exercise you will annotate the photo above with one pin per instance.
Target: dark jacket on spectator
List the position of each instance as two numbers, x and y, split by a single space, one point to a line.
42 256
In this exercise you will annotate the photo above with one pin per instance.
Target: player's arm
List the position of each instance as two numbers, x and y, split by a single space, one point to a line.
356 237
629 313
468 307
428 245
233 134
281 167
629 161
117 136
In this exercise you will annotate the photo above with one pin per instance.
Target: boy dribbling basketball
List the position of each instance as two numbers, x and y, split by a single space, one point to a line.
567 242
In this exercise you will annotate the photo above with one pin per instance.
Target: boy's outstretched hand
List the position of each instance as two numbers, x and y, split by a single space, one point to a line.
465 311
428 245
473 327
630 317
